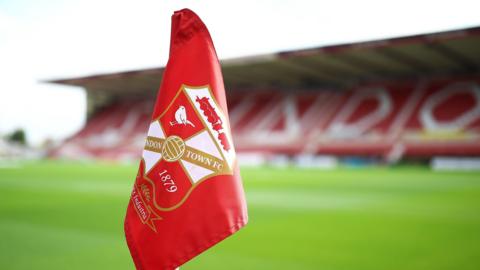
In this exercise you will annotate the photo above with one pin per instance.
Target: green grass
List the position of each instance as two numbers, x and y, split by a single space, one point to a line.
70 216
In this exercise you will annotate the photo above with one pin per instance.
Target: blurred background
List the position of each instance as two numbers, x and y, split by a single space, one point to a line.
356 124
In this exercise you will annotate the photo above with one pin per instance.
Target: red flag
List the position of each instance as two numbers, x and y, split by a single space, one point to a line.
188 194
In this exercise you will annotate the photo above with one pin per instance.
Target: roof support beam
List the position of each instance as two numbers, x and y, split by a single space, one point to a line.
454 56
328 69
312 74
376 70
405 60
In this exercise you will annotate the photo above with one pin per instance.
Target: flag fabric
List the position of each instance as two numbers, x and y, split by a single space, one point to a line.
188 193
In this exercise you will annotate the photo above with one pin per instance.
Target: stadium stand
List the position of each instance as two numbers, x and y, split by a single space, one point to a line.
407 97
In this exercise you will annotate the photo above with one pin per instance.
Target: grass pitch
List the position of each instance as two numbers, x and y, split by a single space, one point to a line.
70 216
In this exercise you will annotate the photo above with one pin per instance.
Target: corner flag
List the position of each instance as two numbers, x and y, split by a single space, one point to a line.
188 194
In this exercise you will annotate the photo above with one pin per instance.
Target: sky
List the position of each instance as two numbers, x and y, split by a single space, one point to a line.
42 40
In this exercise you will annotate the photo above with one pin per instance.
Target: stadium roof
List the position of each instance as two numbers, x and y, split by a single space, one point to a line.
338 66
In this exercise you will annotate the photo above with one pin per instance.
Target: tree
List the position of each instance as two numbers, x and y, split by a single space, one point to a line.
18 136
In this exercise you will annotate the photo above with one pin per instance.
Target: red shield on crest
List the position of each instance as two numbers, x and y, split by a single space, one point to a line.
186 145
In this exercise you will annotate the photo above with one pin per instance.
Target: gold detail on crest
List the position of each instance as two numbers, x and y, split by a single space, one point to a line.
173 148
145 192
154 144
205 160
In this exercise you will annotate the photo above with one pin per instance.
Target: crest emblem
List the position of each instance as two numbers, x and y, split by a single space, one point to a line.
186 145
181 117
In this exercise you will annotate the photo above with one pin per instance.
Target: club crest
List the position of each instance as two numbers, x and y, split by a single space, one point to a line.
187 144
